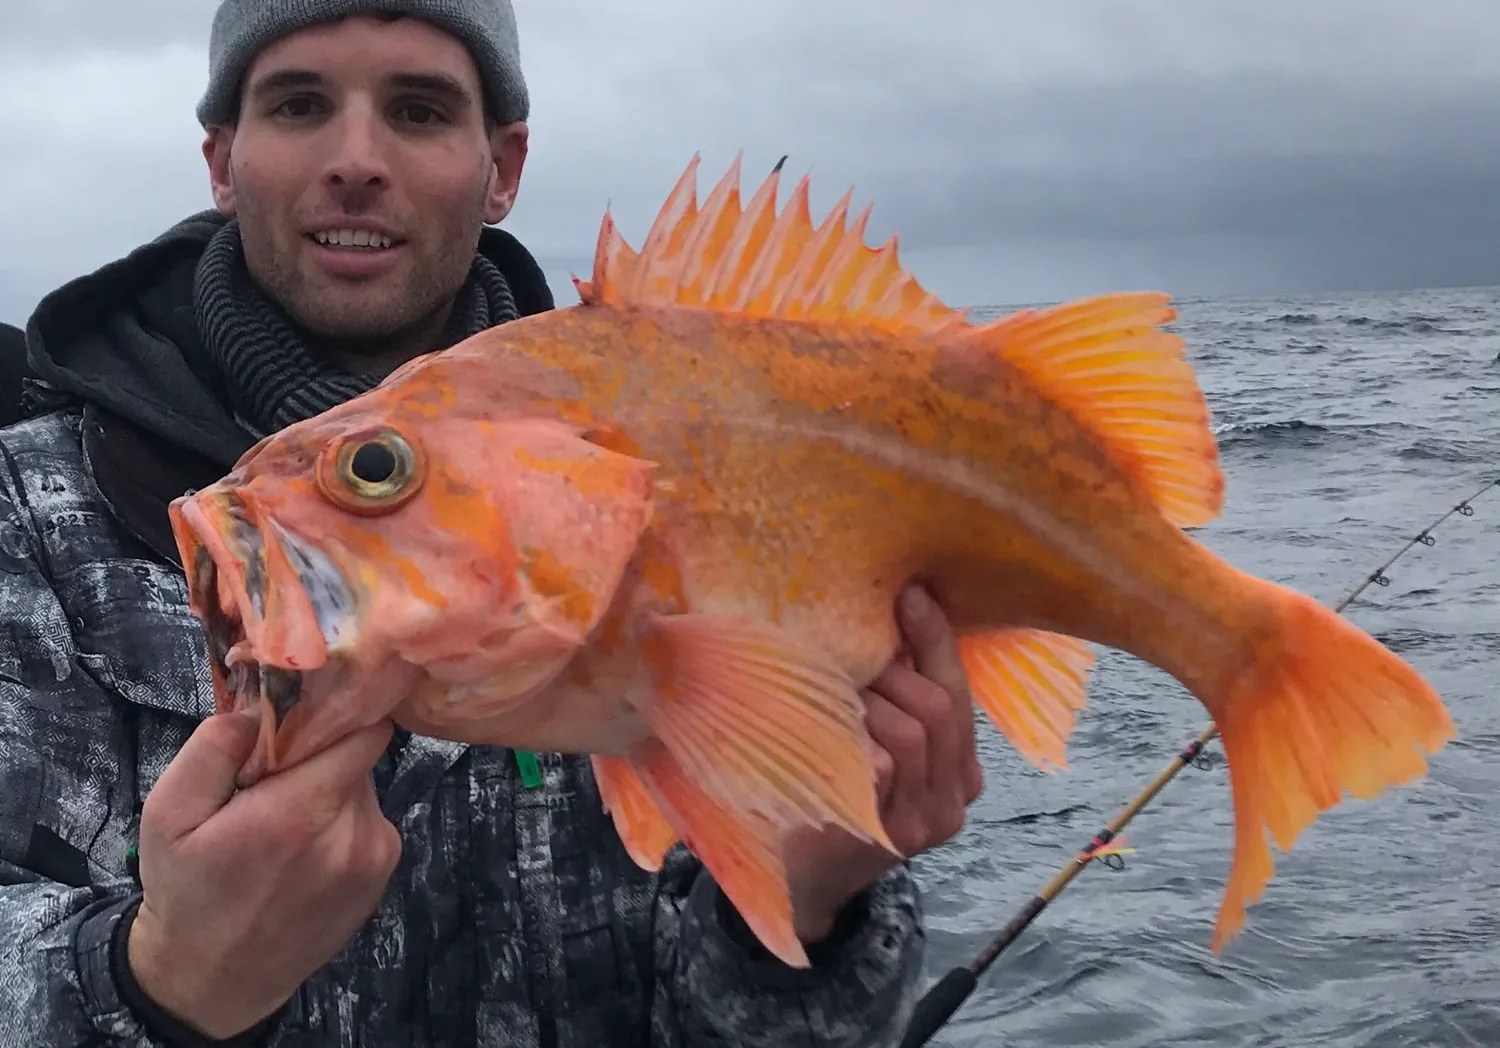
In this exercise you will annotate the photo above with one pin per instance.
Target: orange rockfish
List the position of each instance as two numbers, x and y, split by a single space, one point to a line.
667 527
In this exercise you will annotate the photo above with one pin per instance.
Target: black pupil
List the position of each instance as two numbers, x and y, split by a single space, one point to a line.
373 463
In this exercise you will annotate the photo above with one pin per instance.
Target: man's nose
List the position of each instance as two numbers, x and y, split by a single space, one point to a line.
357 151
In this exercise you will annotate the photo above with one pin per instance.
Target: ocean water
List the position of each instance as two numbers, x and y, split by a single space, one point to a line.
1346 424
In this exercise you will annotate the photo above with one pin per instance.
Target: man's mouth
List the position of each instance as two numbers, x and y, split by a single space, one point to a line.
353 239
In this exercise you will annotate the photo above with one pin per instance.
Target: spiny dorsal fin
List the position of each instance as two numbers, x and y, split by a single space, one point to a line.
1103 357
758 262
1107 360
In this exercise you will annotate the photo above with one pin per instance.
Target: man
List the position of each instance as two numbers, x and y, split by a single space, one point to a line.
392 890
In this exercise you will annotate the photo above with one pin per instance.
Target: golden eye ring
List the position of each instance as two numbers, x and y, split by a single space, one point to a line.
372 472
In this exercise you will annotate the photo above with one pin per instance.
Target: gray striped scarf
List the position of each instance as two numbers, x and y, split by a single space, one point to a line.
273 379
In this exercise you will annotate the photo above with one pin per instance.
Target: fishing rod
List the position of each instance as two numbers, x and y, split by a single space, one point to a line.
950 992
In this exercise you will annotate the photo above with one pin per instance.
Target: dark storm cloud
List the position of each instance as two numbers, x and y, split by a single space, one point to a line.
1202 147
1022 151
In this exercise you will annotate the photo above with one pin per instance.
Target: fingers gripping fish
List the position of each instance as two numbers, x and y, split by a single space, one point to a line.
667 527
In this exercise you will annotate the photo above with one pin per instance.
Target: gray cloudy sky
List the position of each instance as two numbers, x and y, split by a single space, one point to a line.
1024 151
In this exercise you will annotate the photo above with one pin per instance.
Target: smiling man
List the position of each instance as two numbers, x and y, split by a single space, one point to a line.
392 890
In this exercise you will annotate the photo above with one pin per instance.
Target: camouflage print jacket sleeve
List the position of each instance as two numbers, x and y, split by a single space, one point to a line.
65 802
718 986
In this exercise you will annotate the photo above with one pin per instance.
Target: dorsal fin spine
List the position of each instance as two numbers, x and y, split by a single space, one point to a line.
747 243
786 240
718 216
831 289
681 204
814 256
760 262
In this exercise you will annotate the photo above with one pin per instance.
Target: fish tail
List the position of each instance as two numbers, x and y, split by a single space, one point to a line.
1317 709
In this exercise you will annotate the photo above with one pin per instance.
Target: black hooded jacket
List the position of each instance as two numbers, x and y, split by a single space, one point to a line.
13 371
515 917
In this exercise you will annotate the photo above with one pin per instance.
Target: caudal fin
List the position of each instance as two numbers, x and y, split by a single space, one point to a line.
1322 710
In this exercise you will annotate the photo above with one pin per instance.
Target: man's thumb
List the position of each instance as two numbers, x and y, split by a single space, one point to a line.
200 779
934 649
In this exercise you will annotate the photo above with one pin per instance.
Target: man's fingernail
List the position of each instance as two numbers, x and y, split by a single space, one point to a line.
915 603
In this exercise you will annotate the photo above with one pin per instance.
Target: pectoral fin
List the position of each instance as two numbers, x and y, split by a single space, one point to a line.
737 847
763 723
643 829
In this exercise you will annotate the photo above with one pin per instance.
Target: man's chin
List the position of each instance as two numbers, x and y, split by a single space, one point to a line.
374 312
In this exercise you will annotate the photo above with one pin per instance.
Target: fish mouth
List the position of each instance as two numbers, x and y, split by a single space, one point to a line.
270 605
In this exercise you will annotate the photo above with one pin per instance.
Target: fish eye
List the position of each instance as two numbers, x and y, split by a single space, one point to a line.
373 463
371 472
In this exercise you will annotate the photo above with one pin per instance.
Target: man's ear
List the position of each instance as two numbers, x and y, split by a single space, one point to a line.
216 150
508 146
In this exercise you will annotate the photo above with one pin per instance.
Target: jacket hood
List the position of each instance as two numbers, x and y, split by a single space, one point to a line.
124 337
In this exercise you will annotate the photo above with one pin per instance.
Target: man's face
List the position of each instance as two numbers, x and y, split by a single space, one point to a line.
361 172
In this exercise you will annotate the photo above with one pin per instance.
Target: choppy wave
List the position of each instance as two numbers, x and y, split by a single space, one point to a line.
1414 323
1293 432
1406 441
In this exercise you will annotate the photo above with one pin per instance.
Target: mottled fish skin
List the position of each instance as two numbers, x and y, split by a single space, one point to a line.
514 920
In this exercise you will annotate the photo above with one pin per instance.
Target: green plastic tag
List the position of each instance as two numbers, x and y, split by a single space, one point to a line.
531 771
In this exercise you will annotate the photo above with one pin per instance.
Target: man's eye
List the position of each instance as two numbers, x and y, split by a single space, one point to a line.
296 107
421 113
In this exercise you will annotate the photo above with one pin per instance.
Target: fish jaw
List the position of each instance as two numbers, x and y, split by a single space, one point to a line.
279 620
244 580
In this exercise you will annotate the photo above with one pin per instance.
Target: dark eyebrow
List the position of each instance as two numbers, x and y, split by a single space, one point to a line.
435 83
283 79
432 82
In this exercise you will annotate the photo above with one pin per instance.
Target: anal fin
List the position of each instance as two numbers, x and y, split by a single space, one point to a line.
643 829
1031 684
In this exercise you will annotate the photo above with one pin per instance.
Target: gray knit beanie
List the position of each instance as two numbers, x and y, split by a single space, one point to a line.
243 27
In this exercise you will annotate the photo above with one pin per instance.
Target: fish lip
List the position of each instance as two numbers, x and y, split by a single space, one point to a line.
222 548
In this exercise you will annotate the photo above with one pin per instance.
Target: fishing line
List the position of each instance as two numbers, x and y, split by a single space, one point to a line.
949 993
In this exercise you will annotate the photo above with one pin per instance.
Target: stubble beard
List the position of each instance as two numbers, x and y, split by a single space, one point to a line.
362 317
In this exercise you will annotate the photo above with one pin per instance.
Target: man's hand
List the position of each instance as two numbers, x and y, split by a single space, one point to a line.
248 894
921 718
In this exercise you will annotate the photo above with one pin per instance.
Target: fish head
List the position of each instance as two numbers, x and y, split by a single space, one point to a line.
350 560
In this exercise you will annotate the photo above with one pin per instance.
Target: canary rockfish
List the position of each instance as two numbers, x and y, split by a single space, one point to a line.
667 527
